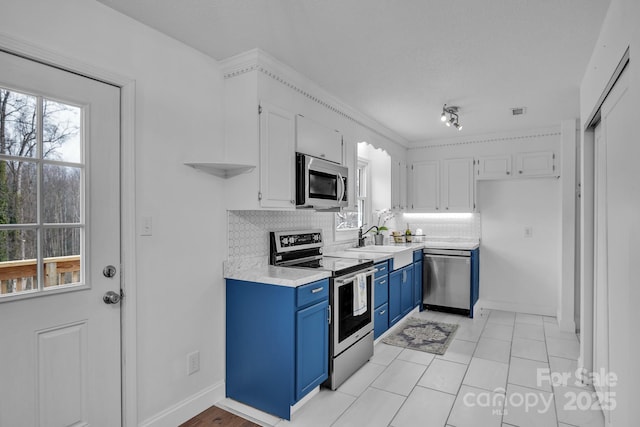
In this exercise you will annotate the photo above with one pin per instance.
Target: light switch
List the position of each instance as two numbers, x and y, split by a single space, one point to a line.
146 226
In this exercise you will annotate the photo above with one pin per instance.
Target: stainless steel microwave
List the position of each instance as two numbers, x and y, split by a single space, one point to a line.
320 184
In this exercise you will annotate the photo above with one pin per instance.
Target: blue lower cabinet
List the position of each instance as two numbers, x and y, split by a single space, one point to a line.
381 320
475 279
395 305
277 343
417 284
400 293
312 354
380 299
381 291
406 290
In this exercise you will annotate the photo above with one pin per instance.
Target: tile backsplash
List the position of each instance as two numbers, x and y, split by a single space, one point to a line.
439 226
249 230
248 238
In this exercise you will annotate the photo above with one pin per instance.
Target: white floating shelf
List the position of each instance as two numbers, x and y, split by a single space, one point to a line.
223 170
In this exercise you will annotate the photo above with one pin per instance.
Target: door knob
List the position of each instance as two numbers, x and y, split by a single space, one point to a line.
111 297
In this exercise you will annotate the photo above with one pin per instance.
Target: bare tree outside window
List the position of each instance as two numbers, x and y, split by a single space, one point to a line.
39 144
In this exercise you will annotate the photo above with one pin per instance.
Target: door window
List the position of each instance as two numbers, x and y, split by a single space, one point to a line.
41 194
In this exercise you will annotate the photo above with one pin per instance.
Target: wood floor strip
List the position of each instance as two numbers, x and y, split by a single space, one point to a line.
215 417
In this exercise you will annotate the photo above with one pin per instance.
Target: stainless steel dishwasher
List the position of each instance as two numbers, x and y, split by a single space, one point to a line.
447 280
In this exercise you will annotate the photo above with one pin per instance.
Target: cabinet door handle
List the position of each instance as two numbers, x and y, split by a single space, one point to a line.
382 312
316 290
383 282
329 314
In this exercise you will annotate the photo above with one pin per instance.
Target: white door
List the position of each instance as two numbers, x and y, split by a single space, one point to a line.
600 294
614 312
59 228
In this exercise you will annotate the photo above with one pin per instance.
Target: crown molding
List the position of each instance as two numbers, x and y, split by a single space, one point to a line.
260 61
489 138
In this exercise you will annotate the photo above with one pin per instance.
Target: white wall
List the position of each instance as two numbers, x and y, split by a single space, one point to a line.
180 299
517 272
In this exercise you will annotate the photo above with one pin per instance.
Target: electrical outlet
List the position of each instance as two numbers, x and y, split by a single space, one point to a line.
528 232
193 362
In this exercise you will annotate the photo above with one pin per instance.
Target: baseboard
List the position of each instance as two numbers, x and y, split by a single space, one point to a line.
188 408
568 325
515 307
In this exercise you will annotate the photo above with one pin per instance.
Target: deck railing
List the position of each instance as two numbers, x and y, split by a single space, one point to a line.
19 276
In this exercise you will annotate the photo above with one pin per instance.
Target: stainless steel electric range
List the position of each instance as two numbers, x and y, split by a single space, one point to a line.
351 331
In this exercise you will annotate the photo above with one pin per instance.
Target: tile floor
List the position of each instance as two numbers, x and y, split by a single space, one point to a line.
488 377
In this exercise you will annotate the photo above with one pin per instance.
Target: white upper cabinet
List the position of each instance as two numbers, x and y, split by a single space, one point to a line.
540 163
425 186
526 165
288 120
494 167
277 157
318 140
442 186
458 185
398 185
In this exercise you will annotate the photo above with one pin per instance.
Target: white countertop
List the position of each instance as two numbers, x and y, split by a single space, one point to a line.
442 244
294 277
281 276
354 254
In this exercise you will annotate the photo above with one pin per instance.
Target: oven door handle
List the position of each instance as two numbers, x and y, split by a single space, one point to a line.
369 272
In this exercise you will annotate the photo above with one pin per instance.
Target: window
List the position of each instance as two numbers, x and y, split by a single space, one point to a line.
354 220
41 202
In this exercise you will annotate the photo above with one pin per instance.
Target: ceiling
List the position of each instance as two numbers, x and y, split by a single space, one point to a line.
399 61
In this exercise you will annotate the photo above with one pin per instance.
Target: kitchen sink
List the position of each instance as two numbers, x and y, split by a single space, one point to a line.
402 255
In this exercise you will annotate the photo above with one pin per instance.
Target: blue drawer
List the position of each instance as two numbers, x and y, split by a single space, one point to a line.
380 320
312 292
381 291
417 255
383 269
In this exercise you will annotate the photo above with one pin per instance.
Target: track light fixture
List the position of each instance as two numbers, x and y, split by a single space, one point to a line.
452 120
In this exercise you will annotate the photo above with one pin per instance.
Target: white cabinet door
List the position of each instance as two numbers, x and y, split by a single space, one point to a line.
425 186
403 186
398 185
494 167
395 184
541 163
457 185
318 140
277 157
